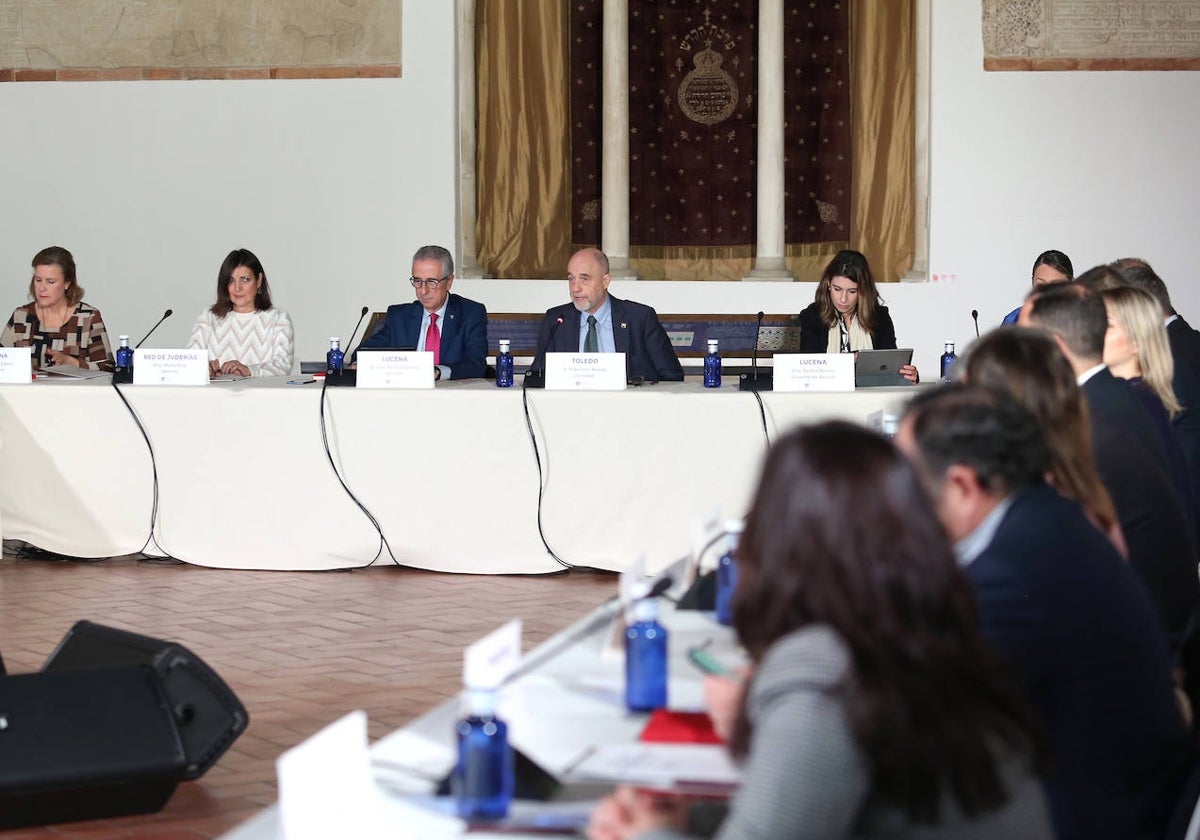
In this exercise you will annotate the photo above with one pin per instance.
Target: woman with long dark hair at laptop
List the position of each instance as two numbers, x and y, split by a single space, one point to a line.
847 314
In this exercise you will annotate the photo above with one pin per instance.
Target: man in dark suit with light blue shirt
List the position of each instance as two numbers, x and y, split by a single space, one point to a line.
596 322
1060 605
453 328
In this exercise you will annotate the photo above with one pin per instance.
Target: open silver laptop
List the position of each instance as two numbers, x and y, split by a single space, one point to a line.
875 368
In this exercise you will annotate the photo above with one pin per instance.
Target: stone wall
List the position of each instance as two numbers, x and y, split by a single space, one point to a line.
88 40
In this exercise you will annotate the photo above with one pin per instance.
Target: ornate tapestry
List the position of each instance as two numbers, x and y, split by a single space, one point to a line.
692 112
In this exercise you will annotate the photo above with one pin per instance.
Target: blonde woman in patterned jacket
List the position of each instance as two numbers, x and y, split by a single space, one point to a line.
244 334
58 325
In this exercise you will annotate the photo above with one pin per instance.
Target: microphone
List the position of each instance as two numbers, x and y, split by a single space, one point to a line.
535 377
753 382
604 616
361 315
165 316
660 586
124 376
975 317
348 378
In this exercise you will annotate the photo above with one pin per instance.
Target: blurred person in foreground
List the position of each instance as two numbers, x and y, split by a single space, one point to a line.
875 708
1060 606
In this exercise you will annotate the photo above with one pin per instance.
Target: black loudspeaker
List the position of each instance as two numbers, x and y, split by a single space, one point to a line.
85 745
208 714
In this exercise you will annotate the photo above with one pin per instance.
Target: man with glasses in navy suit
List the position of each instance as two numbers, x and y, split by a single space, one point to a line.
452 327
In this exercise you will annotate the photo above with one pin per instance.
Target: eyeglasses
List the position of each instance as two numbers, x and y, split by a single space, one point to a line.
428 282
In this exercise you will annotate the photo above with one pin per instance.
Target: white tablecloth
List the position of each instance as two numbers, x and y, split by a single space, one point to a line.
567 707
448 473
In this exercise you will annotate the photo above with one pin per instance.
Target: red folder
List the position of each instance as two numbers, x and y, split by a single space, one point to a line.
667 727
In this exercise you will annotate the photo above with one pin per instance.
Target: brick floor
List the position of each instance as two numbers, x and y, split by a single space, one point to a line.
298 648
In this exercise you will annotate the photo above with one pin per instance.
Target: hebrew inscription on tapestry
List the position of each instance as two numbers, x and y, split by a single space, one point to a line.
119 36
693 143
1091 34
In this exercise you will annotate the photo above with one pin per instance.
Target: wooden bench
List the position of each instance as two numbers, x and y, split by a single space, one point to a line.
689 334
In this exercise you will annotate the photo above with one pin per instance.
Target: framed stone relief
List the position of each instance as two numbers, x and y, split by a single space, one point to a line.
97 40
1091 34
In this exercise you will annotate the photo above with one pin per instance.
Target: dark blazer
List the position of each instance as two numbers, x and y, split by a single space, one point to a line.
1059 603
464 334
1112 400
636 332
1162 548
814 333
1169 435
1185 350
1185 343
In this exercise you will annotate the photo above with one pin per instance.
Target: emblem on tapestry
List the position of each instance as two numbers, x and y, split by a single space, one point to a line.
707 95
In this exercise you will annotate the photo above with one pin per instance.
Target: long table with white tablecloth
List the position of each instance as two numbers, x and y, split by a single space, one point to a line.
450 474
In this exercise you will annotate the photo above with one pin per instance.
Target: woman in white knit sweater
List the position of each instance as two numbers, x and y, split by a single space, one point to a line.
243 333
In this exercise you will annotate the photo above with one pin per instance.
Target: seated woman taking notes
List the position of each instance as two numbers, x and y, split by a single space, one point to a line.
875 708
245 335
58 325
847 314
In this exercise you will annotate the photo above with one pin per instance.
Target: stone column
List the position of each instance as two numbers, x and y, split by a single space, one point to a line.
614 187
467 264
769 253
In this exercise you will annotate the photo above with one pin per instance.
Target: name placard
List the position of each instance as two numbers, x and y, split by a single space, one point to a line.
489 662
585 372
395 369
170 367
16 365
814 371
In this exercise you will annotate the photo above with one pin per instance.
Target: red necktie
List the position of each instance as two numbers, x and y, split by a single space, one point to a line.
433 340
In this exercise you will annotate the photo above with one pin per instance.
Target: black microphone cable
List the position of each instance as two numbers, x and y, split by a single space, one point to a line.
383 541
537 457
762 415
151 538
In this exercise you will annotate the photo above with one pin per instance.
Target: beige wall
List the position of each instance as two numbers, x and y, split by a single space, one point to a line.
335 183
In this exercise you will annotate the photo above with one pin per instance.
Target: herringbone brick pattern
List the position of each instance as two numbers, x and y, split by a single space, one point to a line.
298 648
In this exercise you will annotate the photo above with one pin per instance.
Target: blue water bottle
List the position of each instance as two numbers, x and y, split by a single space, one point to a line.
335 356
124 359
949 359
727 574
645 659
484 777
504 365
712 366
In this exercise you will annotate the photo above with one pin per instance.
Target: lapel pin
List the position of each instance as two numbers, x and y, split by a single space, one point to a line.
624 326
